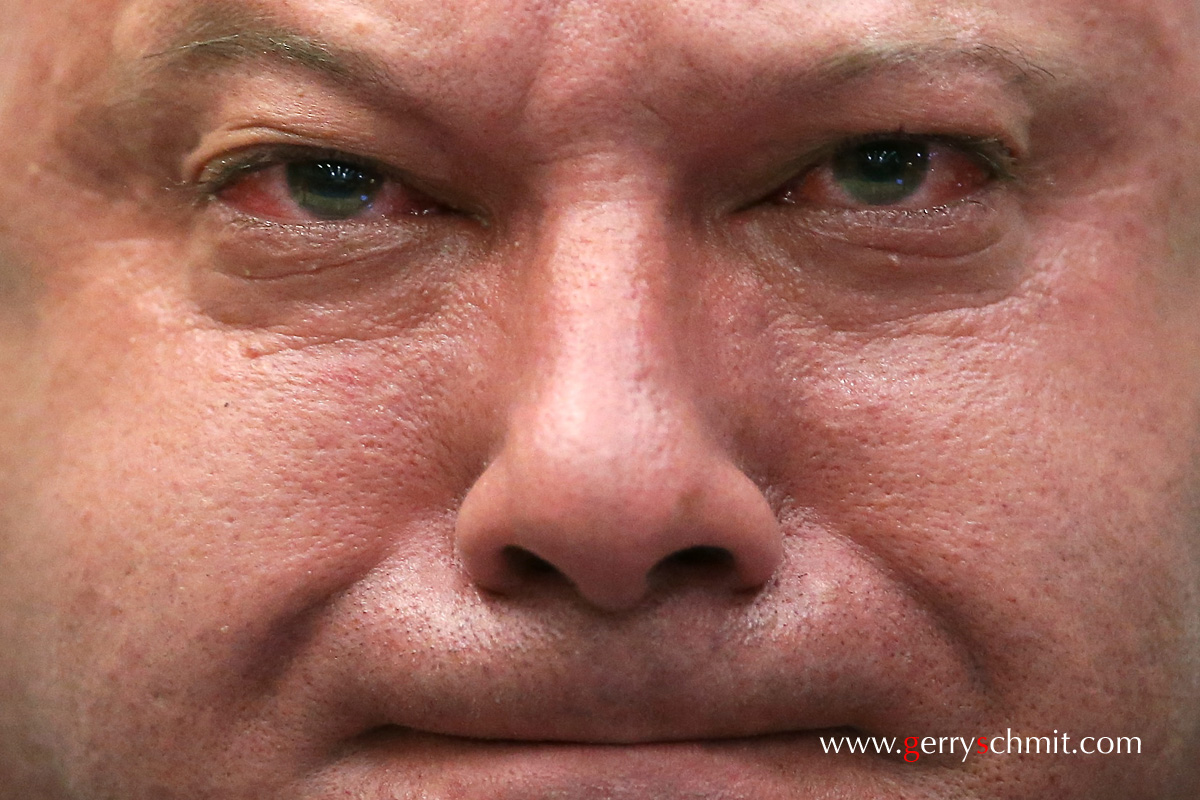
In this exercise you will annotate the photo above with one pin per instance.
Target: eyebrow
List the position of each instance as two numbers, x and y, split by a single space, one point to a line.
1011 62
248 45
347 66
222 35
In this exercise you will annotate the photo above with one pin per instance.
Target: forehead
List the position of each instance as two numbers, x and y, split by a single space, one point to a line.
553 78
590 66
552 40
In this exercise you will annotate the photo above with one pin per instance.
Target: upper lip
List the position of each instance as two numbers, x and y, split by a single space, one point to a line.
874 661
385 732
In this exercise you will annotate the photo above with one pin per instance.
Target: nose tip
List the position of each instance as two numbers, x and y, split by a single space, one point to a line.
616 537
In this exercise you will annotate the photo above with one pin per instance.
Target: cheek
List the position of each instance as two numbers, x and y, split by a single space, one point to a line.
194 515
1030 515
292 459
1033 488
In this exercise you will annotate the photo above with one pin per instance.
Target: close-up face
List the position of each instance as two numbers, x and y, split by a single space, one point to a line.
529 399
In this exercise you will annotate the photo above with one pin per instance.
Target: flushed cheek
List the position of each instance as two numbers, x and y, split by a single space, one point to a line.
197 537
1029 490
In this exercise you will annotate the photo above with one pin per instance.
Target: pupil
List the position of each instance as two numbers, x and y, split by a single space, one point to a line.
882 173
332 189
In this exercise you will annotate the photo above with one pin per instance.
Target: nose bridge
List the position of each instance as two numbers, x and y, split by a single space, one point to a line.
603 347
606 468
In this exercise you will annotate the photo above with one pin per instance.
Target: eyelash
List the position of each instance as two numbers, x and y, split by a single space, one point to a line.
224 171
995 161
330 182
992 151
990 154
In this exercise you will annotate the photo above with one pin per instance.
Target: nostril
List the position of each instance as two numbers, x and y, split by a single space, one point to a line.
702 564
524 565
611 540
699 557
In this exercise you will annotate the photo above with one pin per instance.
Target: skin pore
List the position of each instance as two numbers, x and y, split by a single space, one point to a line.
517 399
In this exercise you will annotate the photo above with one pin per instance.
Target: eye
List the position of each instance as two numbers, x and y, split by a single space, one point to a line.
899 172
882 173
332 189
307 189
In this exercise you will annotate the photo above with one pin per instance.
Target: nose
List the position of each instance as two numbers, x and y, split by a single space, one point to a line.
608 477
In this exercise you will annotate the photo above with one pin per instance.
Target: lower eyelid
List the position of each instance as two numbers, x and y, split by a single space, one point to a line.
947 232
240 245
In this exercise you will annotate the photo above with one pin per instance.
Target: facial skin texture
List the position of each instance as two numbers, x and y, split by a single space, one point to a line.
641 459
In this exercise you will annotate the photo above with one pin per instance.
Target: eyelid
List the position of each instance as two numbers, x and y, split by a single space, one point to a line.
224 170
1000 158
1003 159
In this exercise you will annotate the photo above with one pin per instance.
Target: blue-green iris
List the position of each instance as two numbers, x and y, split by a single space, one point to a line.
332 189
882 172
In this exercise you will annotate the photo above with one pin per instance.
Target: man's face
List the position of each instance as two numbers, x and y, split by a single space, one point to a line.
511 399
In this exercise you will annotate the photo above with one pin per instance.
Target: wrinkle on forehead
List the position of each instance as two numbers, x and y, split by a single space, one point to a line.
574 20
562 66
578 48
575 76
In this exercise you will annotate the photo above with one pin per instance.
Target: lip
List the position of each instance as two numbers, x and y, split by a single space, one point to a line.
393 762
731 689
597 699
394 737
857 653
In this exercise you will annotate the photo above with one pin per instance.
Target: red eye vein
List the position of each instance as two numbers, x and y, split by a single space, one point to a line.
908 174
306 190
